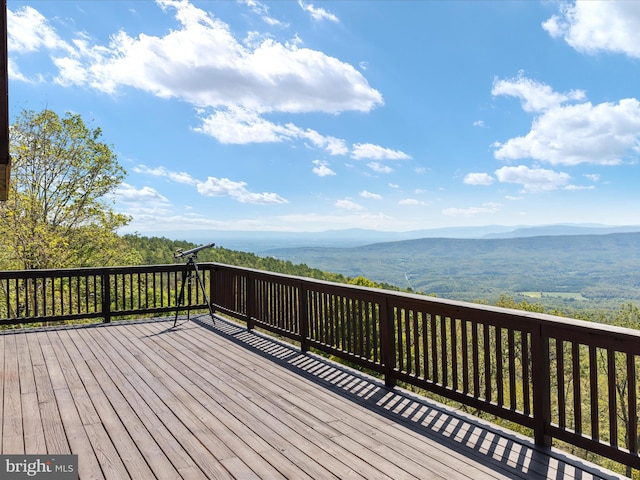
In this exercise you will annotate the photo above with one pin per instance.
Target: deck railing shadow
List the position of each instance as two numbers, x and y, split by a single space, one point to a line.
506 452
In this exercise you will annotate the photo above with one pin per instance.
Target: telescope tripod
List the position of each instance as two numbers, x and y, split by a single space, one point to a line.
190 271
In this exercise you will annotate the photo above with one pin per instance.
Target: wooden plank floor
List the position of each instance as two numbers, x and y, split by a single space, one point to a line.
143 400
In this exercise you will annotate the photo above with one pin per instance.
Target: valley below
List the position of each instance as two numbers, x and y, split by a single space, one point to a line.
559 271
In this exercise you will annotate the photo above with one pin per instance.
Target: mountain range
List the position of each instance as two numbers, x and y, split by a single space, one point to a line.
582 267
260 242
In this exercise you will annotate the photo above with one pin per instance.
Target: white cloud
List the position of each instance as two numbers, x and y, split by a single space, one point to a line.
179 177
411 201
376 152
580 187
262 11
322 168
394 185
533 179
202 63
126 193
479 123
223 187
374 196
232 84
379 168
15 74
242 126
478 179
214 187
535 96
420 170
598 26
29 31
602 134
486 208
348 205
317 13
333 145
594 177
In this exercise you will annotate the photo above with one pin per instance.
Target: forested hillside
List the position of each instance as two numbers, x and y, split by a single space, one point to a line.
555 270
160 250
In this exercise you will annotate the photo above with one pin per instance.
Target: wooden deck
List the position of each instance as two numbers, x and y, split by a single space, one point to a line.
143 400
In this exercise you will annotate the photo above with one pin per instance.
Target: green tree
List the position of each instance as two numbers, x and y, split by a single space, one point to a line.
58 214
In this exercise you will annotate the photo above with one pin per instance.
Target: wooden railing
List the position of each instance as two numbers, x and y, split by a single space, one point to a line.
566 379
34 296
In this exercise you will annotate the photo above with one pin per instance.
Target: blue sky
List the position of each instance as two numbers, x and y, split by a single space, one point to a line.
387 115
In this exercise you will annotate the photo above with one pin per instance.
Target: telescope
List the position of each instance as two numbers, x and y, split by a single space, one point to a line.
194 251
191 271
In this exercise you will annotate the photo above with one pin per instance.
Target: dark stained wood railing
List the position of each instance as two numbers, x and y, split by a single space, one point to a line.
34 296
562 378
566 379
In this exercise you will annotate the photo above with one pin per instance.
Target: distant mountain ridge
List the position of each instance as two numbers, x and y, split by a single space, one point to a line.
602 266
562 230
260 242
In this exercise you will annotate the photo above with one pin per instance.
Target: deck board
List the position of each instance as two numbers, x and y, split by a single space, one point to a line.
141 399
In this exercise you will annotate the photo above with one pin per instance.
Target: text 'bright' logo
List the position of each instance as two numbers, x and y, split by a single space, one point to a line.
30 468
51 467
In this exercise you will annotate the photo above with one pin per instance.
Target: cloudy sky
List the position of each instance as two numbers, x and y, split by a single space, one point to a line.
310 116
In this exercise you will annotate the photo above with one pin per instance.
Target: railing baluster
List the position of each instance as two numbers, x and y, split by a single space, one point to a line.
416 342
465 357
513 403
398 315
613 404
303 317
487 348
577 396
434 349
526 376
388 345
593 389
475 348
443 349
106 297
560 376
632 427
425 344
499 367
454 353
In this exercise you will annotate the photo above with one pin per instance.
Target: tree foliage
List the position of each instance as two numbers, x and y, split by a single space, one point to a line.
58 214
159 250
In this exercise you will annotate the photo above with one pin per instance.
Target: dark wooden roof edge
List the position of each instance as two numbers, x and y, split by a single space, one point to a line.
5 158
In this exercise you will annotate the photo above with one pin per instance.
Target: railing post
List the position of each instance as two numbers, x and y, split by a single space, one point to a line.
387 342
251 301
106 296
540 365
303 318
213 300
